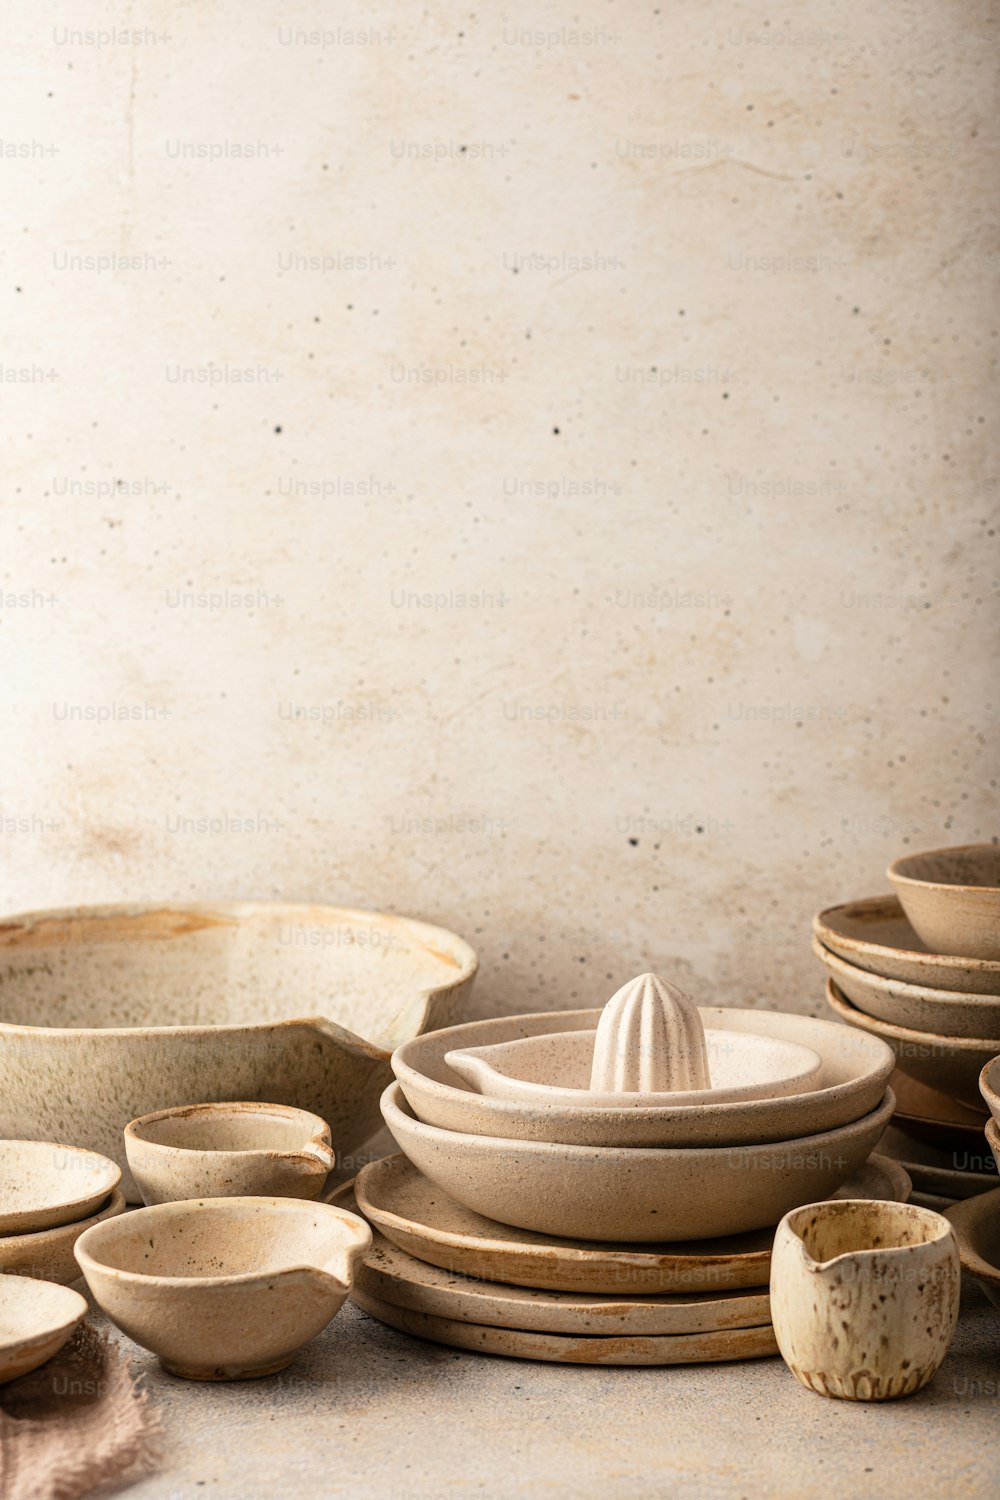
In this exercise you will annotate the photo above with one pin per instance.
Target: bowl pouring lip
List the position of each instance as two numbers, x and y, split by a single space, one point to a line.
358 1240
838 1208
898 876
135 1130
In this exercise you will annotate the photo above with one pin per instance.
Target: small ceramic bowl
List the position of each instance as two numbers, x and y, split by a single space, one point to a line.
918 1007
36 1319
993 1139
48 1253
864 1296
224 1288
229 1151
952 897
42 1185
989 1086
555 1069
976 1222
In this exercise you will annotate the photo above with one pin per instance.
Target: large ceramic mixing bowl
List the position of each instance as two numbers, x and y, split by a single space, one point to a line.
109 1013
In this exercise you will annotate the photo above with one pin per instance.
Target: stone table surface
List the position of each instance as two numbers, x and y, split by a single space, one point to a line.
367 1411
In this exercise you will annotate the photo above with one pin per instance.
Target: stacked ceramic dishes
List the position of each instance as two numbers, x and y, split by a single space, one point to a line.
49 1194
921 970
976 1221
602 1186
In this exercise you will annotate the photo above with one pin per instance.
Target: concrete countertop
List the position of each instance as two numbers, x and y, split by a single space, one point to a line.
367 1411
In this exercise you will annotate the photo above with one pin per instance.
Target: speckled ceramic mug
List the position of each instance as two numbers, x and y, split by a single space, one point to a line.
864 1296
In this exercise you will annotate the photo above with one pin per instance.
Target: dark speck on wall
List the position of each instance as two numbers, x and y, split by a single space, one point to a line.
633 842
278 428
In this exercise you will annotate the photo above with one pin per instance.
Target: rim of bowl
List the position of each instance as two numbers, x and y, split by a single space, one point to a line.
66 1320
989 1089
839 1002
134 1130
839 1207
898 875
968 1214
885 986
823 922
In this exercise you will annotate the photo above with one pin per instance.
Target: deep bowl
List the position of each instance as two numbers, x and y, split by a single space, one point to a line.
915 1006
109 1013
952 897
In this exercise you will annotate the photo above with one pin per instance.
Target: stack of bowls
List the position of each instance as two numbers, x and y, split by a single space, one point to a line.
921 970
50 1194
519 1186
976 1221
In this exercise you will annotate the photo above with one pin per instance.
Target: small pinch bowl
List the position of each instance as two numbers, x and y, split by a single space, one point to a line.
36 1319
989 1087
47 1254
229 1151
952 898
224 1288
864 1296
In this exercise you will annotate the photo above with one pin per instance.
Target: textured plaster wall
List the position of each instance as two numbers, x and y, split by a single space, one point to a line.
601 423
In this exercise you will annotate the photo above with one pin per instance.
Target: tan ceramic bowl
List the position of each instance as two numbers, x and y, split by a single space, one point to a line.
951 1065
36 1320
920 1009
48 1253
989 1087
43 1184
229 1151
224 1288
108 1013
952 897
621 1194
875 934
852 1082
976 1222
993 1140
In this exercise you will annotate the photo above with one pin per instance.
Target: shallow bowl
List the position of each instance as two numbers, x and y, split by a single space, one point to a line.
621 1193
915 1006
989 1086
952 897
36 1320
42 1184
109 1013
224 1288
875 934
48 1253
853 1079
976 1222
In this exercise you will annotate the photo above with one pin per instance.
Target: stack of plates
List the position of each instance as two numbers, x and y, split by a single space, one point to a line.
49 1195
443 1272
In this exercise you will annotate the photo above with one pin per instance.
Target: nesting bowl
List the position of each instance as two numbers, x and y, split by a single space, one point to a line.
976 1222
43 1185
36 1320
915 1007
875 934
952 898
47 1254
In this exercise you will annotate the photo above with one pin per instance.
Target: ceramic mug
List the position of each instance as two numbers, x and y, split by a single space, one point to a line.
864 1296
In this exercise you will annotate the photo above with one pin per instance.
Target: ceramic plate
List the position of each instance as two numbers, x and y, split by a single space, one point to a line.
875 935
48 1253
934 1119
681 1349
921 1009
36 1319
42 1185
962 1173
977 1225
415 1215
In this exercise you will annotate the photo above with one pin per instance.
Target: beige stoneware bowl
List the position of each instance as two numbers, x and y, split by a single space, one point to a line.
989 1086
554 1069
875 934
48 1253
976 1222
224 1288
109 1013
229 1151
993 1140
43 1184
951 1065
914 1006
952 897
623 1193
853 1079
36 1320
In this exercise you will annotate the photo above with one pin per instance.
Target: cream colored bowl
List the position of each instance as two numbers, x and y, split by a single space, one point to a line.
948 1012
36 1320
875 934
621 1194
224 1288
43 1184
952 897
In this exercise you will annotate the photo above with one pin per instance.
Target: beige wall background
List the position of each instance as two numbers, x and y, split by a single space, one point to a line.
534 469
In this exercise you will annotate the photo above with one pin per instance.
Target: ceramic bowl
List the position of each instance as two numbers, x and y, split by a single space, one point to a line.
42 1184
224 1288
875 934
989 1086
36 1319
852 1081
229 1151
554 1069
48 1253
947 1063
993 1139
864 1296
952 897
976 1222
110 1013
623 1193
920 1009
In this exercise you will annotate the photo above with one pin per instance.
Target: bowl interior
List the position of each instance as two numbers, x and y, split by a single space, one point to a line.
831 1229
39 1175
228 964
974 865
30 1308
243 1127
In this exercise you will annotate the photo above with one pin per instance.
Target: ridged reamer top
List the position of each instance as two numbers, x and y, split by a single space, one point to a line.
650 1039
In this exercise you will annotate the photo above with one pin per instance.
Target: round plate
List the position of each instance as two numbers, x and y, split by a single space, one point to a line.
934 1119
950 1174
682 1349
43 1185
390 1275
875 935
415 1215
915 1006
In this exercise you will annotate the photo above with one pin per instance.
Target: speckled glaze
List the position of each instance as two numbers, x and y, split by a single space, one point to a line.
229 1151
48 1253
864 1297
952 897
989 1086
109 1013
620 1193
949 1012
36 1320
853 1078
976 1223
43 1184
553 1072
875 934
949 1064
649 1040
224 1288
